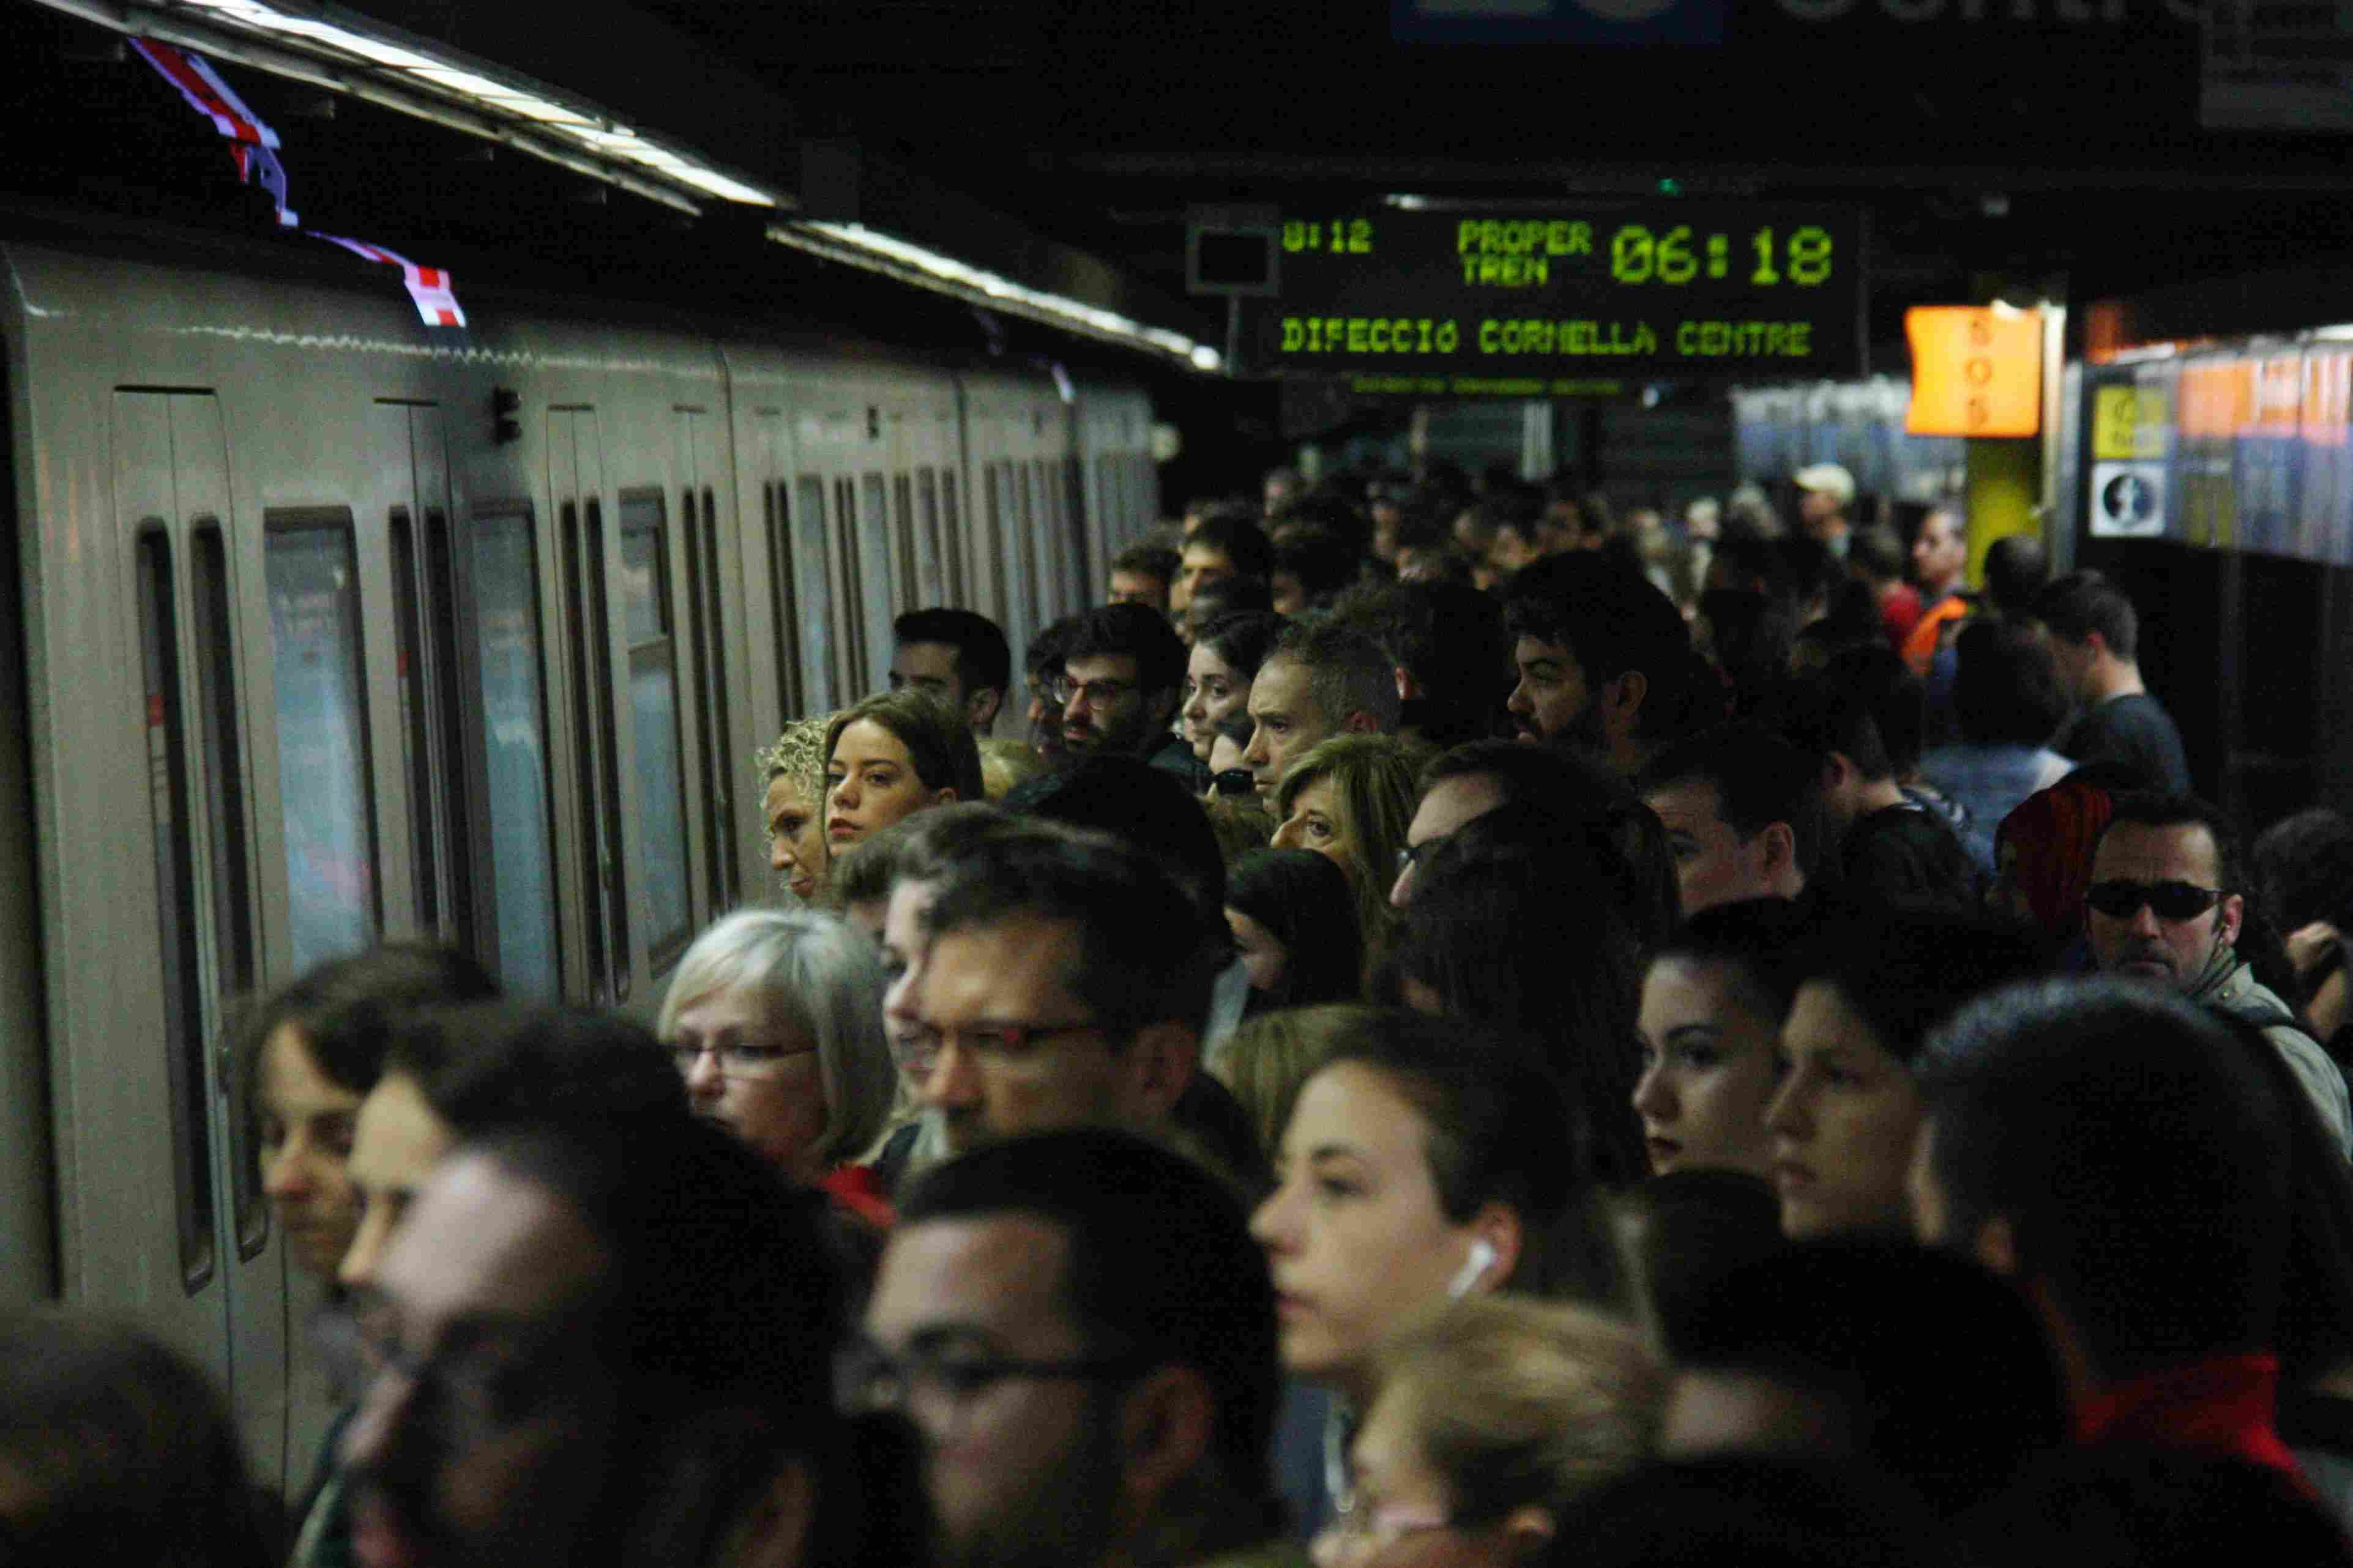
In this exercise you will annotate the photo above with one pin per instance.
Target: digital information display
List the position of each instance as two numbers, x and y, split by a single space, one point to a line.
1562 303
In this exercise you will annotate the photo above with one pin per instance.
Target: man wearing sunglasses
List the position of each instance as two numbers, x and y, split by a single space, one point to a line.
2163 909
1082 1332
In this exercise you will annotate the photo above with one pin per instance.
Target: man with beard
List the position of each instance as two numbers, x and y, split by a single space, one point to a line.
1041 667
600 1342
1603 658
1079 1326
1123 674
2165 908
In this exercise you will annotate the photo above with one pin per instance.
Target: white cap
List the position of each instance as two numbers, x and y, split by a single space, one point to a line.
1831 478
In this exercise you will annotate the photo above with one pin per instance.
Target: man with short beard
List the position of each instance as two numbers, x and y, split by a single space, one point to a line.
1122 672
1079 1326
1604 659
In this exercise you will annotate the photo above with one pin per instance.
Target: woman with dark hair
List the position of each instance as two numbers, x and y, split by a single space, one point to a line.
1294 927
1843 1120
1423 1160
114 1450
1713 1002
1218 675
1522 924
890 757
2008 702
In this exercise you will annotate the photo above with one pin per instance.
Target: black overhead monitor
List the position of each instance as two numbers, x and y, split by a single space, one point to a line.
1571 294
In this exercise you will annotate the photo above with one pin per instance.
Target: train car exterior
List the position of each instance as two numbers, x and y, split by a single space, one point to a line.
334 628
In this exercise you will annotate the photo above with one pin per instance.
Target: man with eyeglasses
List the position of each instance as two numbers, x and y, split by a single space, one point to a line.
1080 1329
2163 908
1122 672
1063 980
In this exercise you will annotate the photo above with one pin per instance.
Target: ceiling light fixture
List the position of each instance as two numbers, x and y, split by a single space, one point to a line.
855 245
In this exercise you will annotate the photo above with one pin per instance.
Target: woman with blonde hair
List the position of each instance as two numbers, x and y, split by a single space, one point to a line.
1490 1417
1270 1057
1351 798
793 770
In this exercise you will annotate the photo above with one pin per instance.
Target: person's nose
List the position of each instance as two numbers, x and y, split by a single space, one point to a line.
1273 1226
1789 1115
780 853
288 1172
1074 707
1653 1100
1401 891
703 1079
954 1079
1519 702
358 1266
1287 835
1255 755
2144 922
1197 708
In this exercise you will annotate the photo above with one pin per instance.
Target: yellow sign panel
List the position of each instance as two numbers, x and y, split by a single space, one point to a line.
1976 370
2128 424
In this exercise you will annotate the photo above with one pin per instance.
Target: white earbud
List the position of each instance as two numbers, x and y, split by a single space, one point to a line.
1481 1258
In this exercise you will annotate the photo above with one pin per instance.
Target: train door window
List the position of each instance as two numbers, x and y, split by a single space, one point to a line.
509 648
220 735
309 566
1070 483
433 749
171 816
1024 522
719 740
903 503
1000 603
654 740
605 862
876 598
784 596
847 594
1052 583
952 543
820 650
933 550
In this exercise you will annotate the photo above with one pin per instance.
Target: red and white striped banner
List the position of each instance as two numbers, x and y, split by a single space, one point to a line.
257 164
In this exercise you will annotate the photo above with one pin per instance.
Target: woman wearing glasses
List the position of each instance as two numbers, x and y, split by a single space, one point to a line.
893 755
1493 1416
775 1019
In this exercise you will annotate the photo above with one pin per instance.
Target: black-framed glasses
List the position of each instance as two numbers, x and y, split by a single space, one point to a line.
934 1387
2171 901
1004 1039
736 1058
1091 693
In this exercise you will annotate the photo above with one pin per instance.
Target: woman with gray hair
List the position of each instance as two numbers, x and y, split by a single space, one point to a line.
776 1018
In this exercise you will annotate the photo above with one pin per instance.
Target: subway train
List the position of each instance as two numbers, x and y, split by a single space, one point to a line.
333 625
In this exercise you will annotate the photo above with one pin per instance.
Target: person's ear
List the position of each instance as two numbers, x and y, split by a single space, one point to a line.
1160 1062
1777 848
980 708
944 796
2233 916
1359 723
1624 698
1996 1247
1498 1225
1164 707
1408 687
1835 768
1168 1424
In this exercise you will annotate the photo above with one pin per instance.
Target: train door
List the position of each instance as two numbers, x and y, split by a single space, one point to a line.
200 1270
598 913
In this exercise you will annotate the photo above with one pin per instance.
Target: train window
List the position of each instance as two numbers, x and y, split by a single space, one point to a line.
847 594
1071 487
603 864
655 743
170 816
822 650
432 747
508 652
875 599
932 551
951 554
1000 603
224 818
911 574
783 599
719 745
310 567
1025 522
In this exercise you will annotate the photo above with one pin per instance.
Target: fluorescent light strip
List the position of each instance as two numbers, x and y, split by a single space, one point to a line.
388 71
855 245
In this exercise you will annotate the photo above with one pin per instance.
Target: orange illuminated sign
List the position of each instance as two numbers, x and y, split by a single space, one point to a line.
1976 370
